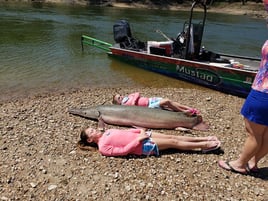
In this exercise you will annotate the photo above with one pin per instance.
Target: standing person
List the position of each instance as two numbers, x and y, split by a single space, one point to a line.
254 110
122 142
153 102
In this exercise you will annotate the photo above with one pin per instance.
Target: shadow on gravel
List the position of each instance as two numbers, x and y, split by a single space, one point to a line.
171 151
261 174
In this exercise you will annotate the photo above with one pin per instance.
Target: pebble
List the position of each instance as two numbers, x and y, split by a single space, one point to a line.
51 187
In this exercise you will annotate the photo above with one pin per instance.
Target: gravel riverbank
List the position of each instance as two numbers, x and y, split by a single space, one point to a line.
40 160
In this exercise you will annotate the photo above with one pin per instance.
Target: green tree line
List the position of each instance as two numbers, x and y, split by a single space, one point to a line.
168 2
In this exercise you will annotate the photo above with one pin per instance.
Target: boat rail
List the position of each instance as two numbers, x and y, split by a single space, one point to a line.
95 43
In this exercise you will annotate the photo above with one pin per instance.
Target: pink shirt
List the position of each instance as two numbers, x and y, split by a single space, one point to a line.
135 99
261 80
115 142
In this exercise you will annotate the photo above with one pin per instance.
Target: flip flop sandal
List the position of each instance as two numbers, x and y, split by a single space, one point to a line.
253 170
204 151
230 168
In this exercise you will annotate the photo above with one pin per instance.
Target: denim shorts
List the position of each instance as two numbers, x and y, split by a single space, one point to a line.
255 108
154 102
149 147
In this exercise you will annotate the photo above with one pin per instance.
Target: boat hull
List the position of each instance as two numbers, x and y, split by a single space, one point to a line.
216 76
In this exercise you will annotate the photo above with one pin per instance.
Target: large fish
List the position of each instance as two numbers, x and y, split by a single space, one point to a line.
142 117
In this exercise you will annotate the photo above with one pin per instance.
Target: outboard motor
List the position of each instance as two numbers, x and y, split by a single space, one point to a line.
121 31
123 36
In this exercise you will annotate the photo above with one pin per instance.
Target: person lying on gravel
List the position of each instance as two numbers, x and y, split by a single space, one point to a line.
122 142
153 102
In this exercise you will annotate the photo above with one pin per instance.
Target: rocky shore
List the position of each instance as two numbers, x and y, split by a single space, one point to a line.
39 159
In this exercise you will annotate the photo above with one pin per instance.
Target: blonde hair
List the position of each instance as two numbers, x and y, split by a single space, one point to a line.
115 101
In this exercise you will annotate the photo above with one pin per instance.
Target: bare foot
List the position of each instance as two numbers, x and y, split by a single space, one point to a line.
212 138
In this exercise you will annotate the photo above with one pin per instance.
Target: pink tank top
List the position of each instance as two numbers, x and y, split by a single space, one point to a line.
135 99
261 80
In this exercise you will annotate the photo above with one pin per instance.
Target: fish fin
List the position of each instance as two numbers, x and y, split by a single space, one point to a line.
101 124
138 127
182 129
203 126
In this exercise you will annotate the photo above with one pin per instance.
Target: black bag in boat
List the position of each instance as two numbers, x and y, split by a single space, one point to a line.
212 57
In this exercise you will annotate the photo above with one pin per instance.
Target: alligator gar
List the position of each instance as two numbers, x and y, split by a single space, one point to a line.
143 117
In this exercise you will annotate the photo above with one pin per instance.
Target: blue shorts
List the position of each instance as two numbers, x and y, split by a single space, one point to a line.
149 147
255 108
154 102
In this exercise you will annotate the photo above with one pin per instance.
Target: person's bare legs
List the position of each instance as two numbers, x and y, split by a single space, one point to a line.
184 138
183 142
263 151
174 106
252 146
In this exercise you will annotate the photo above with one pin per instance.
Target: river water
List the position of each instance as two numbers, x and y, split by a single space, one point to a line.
40 47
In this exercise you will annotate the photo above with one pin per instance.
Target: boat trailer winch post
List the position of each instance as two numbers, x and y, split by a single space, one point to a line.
95 43
197 44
